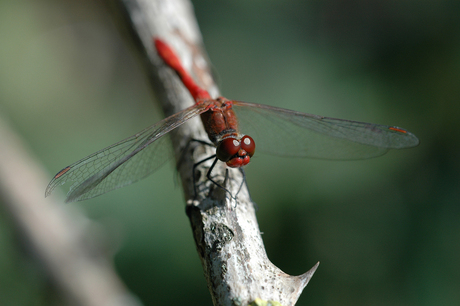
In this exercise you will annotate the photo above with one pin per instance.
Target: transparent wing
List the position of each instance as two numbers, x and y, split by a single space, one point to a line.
122 163
285 132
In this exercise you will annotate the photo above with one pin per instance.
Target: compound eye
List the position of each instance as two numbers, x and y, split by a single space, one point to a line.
227 148
248 144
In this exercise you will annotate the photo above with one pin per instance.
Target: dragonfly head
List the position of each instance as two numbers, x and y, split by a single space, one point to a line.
236 152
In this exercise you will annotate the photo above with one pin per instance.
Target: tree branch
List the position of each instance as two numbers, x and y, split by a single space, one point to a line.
226 232
57 236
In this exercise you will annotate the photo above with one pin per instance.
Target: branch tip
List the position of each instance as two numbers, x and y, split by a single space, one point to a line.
308 275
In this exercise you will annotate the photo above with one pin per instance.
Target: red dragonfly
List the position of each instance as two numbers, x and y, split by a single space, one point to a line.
277 131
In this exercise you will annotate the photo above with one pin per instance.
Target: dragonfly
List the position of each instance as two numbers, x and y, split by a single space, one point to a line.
276 131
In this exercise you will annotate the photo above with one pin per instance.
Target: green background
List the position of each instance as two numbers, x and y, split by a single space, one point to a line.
386 230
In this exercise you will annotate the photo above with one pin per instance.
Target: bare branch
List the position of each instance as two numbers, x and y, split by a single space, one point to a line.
226 232
57 234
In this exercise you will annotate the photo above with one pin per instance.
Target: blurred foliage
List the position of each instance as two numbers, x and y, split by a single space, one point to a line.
386 230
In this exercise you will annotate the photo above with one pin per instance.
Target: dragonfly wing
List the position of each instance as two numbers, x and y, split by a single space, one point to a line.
122 163
285 132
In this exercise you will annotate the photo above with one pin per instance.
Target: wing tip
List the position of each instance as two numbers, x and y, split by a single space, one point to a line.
408 139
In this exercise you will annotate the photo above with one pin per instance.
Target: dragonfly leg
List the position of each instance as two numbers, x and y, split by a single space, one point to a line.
256 208
196 165
182 156
208 175
184 151
224 183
